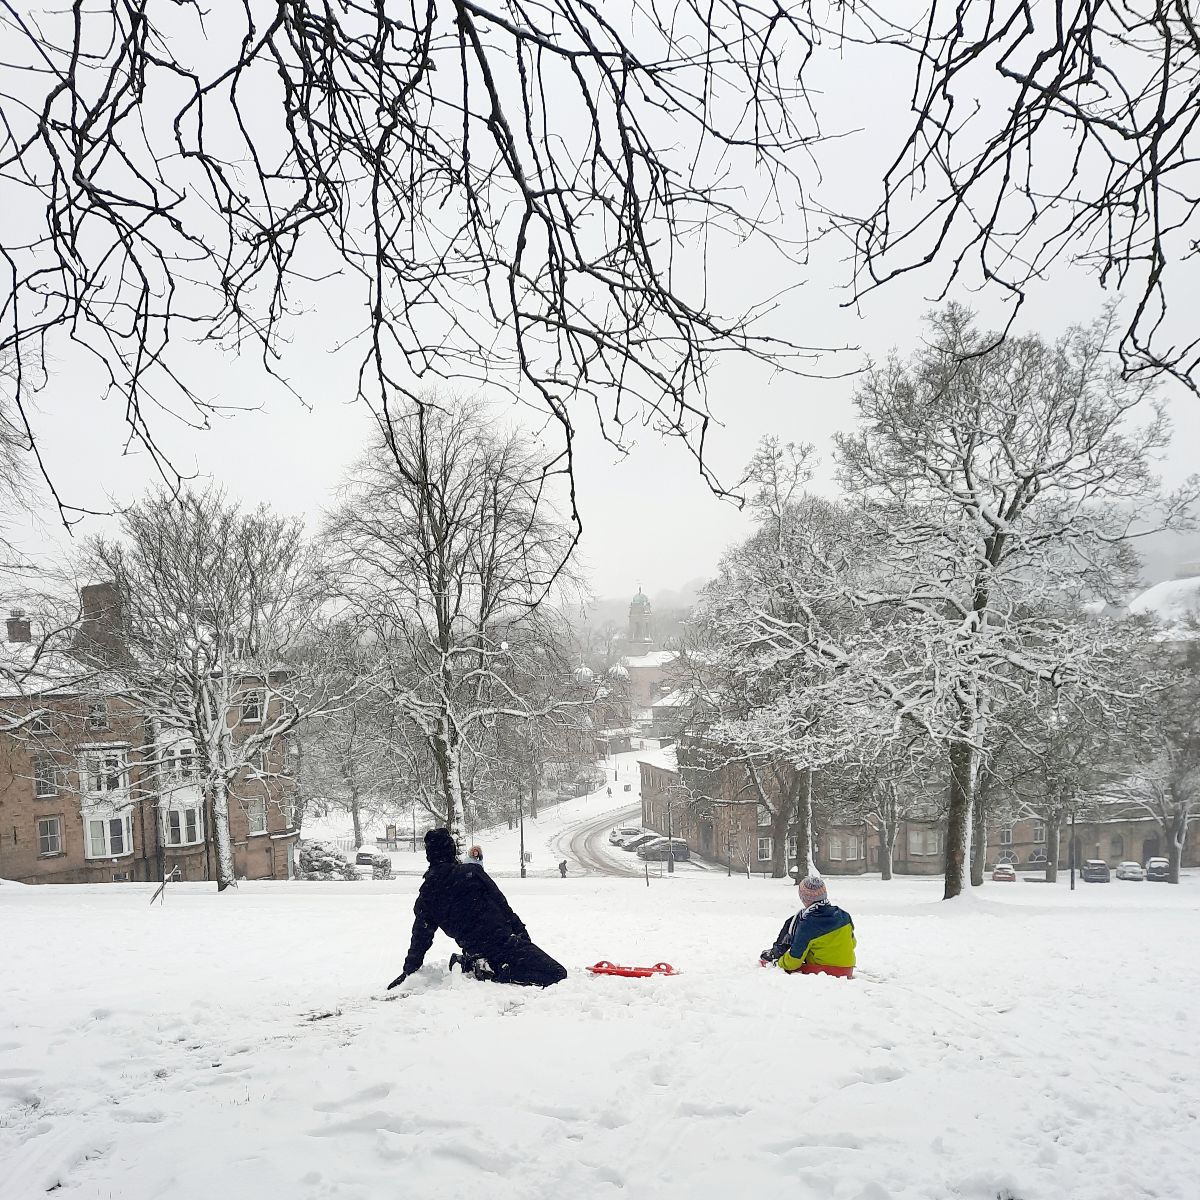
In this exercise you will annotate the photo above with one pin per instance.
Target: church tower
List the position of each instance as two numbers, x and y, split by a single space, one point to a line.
640 638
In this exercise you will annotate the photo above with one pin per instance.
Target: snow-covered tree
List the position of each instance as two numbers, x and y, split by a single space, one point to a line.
209 607
769 716
445 548
1002 481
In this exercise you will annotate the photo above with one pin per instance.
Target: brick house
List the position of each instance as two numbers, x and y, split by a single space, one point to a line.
90 794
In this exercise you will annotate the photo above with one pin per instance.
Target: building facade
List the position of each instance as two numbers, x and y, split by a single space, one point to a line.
91 793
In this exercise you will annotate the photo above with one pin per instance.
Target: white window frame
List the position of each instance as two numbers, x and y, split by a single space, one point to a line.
920 840
763 817
254 805
834 847
90 720
49 836
106 850
104 777
1006 835
1006 856
791 847
259 705
40 723
42 764
179 816
1038 855
767 841
1039 833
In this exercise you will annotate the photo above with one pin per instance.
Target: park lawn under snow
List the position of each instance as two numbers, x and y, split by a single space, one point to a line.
1030 1043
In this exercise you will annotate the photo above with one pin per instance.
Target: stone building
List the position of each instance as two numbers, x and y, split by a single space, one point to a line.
91 793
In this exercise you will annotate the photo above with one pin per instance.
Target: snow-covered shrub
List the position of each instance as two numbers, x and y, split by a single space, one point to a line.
319 861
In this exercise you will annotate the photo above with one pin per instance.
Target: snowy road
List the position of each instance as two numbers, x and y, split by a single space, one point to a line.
587 844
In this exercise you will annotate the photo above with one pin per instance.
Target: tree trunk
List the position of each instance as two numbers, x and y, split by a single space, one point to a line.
1053 830
446 753
958 818
222 843
779 832
887 846
356 818
1176 833
978 837
804 823
533 794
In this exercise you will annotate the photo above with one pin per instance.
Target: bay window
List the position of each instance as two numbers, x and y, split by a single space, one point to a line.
108 837
183 826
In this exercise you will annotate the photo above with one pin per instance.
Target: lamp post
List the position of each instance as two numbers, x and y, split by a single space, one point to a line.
521 828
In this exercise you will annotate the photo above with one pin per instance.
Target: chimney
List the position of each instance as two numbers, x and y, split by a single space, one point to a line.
18 626
99 634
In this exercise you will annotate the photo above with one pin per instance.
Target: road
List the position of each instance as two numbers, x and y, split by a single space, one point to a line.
587 842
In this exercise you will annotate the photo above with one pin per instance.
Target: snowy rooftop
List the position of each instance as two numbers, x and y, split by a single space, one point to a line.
663 757
656 658
679 698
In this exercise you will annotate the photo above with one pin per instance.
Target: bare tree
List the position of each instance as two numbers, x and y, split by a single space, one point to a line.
444 547
502 188
1046 136
208 608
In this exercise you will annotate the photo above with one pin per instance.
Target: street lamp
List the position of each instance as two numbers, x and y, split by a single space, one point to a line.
521 828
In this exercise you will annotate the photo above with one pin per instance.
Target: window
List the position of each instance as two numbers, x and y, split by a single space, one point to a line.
45 778
764 816
836 850
104 771
40 723
854 848
1117 842
120 877
256 815
765 849
108 837
1037 854
187 763
49 836
252 706
183 826
924 841
1006 835
1039 833
97 715
792 849
1006 856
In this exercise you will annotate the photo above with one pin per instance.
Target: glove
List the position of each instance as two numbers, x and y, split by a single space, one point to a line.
397 981
768 955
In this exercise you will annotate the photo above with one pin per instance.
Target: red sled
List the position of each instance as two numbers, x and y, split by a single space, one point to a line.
606 968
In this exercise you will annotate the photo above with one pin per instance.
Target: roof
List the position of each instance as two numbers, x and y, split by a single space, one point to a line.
663 758
656 658
676 699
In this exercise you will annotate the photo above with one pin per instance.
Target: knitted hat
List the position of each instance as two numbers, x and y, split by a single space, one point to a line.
812 889
439 846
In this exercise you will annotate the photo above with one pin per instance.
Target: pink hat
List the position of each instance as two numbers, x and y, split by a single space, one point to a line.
812 889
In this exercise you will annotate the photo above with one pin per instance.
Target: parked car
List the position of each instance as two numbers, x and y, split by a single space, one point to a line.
660 849
624 831
638 842
1095 870
1158 870
1004 873
1130 870
369 858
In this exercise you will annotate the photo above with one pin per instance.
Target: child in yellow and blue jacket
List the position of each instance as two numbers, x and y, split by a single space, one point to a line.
819 939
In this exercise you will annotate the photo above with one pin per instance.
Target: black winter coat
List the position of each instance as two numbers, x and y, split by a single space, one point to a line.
462 901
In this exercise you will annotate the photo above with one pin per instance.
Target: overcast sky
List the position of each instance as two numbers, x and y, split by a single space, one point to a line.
649 518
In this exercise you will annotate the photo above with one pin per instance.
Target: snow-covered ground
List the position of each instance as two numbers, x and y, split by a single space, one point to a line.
1030 1043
